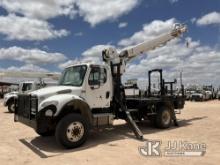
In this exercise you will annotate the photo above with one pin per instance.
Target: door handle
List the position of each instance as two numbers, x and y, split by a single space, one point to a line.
107 95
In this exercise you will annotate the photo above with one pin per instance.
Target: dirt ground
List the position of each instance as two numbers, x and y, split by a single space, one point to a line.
199 123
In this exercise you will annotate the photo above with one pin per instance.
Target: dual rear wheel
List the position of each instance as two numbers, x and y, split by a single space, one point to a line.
163 119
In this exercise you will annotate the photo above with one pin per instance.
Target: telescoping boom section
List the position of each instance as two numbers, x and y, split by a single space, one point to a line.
111 55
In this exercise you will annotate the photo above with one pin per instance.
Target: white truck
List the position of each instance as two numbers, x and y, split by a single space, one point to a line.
26 86
92 95
203 94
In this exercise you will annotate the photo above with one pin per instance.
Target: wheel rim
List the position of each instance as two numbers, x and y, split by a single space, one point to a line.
166 117
12 107
75 131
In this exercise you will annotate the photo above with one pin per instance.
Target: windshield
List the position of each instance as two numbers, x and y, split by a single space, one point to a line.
198 91
26 87
73 76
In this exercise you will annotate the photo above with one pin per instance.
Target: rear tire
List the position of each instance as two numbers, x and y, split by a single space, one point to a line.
164 117
72 131
11 107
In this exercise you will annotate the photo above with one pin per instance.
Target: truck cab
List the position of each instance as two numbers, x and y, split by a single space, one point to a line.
93 83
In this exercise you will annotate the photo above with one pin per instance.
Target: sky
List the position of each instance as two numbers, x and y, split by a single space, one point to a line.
48 35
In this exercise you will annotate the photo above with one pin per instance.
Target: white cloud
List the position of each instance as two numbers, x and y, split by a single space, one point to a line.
210 18
200 64
23 28
79 34
97 11
149 32
30 56
27 68
68 63
27 19
40 9
173 1
193 20
122 24
94 53
92 11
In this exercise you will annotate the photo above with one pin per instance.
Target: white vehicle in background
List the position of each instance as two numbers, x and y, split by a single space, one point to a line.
209 95
209 92
26 86
189 93
201 95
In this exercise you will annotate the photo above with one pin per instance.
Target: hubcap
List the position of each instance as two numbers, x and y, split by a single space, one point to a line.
75 131
166 117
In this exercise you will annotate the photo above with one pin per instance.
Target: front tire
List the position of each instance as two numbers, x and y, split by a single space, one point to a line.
72 131
164 117
11 107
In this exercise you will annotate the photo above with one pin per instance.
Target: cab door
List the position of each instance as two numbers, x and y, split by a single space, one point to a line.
98 88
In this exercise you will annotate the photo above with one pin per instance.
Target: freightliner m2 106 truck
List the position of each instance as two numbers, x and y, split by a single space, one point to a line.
91 95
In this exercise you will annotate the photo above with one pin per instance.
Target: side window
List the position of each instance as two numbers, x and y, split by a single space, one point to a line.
27 87
97 76
94 76
103 76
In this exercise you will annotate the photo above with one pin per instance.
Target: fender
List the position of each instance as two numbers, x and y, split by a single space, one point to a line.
9 96
61 101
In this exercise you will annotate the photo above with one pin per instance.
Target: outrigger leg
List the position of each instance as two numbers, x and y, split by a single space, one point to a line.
134 126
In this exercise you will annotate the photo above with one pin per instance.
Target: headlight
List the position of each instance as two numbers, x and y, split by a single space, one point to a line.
45 104
49 113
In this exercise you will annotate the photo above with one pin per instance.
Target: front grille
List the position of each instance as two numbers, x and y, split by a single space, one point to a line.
26 106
